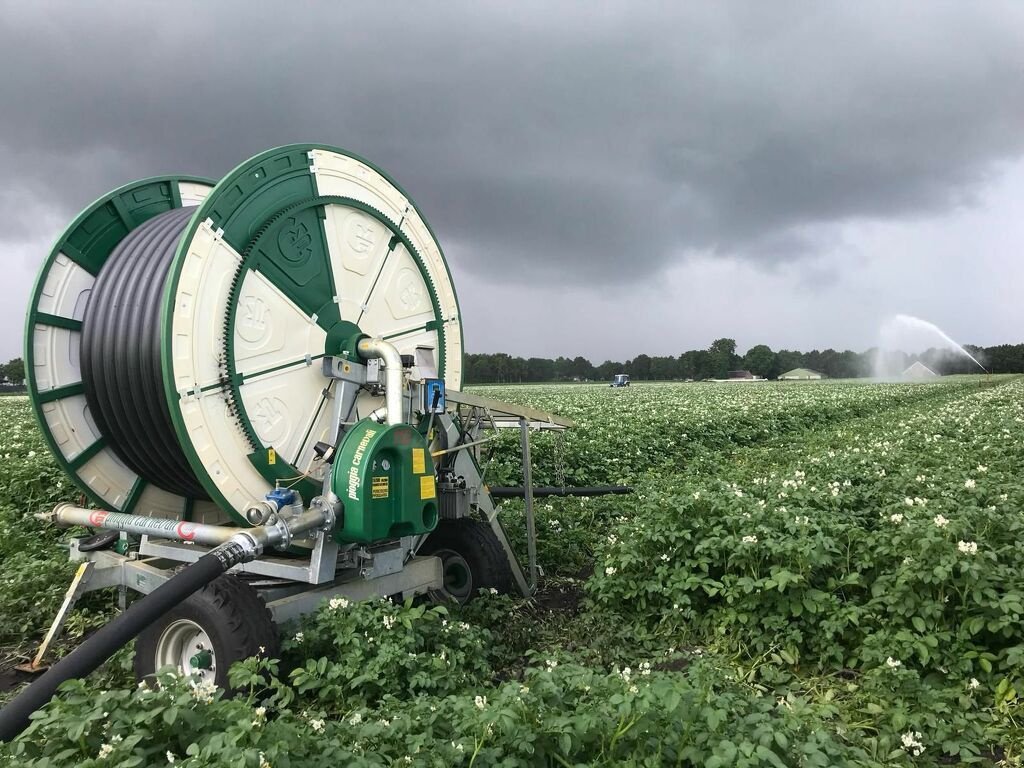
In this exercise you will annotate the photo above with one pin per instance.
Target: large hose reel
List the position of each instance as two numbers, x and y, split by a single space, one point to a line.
176 330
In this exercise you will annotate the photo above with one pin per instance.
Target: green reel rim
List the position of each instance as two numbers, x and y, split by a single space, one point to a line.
244 207
80 251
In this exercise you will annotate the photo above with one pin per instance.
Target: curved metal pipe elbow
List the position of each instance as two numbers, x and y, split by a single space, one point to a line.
388 353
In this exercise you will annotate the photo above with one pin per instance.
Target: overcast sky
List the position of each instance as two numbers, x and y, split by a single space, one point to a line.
605 179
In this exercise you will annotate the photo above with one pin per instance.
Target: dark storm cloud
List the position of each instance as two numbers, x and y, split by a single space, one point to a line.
596 146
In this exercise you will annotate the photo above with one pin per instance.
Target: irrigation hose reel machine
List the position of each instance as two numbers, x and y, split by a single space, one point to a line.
264 373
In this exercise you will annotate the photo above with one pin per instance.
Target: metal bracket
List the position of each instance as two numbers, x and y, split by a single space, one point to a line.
76 590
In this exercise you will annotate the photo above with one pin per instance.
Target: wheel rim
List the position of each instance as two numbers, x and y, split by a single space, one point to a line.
187 647
457 575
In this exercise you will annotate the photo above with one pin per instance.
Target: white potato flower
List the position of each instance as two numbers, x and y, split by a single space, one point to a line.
967 547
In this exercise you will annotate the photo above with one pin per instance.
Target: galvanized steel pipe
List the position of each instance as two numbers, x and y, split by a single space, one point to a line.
276 534
378 348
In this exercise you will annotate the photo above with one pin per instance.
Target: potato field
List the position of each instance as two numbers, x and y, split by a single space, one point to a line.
819 574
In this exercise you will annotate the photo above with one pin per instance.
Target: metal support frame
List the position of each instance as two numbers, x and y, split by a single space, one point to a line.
471 416
286 598
319 568
295 586
418 576
75 590
531 529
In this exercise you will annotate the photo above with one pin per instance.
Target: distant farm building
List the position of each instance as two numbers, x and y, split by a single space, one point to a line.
739 377
919 371
801 374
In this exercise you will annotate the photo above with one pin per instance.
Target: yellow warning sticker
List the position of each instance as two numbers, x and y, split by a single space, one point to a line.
419 462
379 487
271 456
427 487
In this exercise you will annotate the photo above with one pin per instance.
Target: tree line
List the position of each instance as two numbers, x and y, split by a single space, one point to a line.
715 362
721 357
12 375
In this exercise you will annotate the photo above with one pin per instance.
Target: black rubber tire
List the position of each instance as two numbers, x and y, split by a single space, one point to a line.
479 548
234 617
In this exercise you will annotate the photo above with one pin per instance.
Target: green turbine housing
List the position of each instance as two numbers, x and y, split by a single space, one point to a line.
384 477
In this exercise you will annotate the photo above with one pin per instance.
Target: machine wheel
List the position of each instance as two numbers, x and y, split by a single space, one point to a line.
224 622
471 558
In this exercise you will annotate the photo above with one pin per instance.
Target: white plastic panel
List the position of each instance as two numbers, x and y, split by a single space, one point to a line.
200 306
70 425
55 361
357 245
65 292
281 406
192 193
416 230
401 298
108 477
209 513
222 449
269 329
347 177
156 502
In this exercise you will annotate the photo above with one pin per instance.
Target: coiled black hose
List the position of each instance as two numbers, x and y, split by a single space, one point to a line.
120 355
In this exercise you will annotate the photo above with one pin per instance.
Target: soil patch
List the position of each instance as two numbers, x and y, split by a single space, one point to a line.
561 597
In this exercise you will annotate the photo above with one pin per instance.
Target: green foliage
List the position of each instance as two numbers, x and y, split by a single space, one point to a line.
806 575
13 371
357 653
36 570
559 714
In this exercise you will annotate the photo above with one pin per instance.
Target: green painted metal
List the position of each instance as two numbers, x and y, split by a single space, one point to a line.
307 279
266 208
202 660
52 395
384 477
70 324
280 473
84 457
291 251
134 495
88 240
343 338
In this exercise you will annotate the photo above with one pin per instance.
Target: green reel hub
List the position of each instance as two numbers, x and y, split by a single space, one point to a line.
384 476
295 255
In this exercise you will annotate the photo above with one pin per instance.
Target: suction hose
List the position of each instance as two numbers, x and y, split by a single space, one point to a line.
14 718
518 491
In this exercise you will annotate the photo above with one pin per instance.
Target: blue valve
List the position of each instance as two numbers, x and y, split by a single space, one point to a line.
283 497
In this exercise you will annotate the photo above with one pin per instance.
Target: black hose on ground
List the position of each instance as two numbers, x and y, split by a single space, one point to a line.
518 491
14 718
